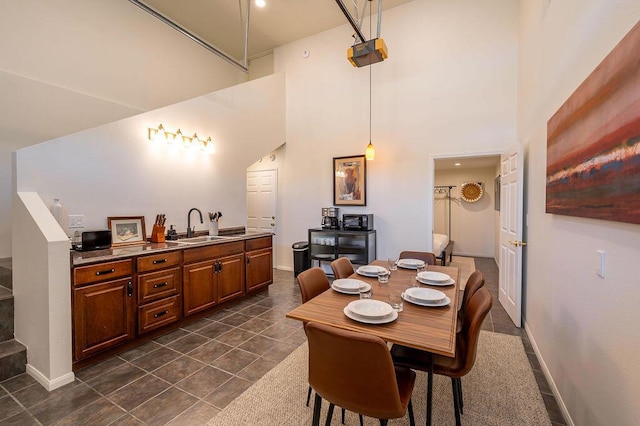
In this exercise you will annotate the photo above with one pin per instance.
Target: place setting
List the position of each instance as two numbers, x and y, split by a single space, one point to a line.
434 278
370 271
411 263
426 297
370 311
350 286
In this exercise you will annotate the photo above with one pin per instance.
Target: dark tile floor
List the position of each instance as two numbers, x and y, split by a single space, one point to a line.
187 376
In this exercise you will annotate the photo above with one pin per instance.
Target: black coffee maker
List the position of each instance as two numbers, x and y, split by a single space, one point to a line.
330 218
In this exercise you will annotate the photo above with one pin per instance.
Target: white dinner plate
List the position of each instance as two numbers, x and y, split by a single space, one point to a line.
348 284
444 302
365 286
369 270
433 276
450 281
392 317
426 295
410 263
370 308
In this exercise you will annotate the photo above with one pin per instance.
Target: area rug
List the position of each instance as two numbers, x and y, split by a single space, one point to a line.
466 265
500 390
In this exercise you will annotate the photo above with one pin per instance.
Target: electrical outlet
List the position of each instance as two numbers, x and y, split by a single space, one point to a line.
76 221
600 263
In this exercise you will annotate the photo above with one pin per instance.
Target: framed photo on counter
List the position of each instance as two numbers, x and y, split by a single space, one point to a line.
127 230
350 181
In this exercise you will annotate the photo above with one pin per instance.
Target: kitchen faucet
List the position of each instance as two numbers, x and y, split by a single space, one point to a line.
189 230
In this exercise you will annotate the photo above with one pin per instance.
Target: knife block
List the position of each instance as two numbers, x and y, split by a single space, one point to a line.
157 234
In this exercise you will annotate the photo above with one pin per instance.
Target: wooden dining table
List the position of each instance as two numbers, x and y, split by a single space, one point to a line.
431 329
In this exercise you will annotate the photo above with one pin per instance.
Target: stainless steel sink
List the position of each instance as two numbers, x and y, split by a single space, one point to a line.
197 240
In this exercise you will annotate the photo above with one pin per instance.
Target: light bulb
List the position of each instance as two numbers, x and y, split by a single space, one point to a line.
370 152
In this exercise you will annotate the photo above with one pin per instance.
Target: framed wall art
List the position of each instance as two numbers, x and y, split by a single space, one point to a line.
350 181
593 142
127 230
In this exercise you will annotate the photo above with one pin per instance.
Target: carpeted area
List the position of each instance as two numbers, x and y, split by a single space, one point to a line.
500 390
466 265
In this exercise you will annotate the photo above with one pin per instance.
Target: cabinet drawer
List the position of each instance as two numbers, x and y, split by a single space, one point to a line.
159 261
157 285
157 314
102 272
213 251
258 243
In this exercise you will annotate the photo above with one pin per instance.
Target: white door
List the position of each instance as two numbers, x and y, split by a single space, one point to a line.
261 202
510 280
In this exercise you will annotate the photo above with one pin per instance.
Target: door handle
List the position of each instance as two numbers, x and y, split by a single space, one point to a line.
273 224
129 289
273 217
518 243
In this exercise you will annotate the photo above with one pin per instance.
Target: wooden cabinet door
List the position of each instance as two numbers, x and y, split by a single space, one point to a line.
259 272
199 287
230 277
103 316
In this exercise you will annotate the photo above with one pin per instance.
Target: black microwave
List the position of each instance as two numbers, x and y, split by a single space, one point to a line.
357 222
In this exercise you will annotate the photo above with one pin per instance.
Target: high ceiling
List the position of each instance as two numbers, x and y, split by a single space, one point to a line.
280 22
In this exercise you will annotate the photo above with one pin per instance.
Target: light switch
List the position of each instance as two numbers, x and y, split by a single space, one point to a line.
76 221
601 263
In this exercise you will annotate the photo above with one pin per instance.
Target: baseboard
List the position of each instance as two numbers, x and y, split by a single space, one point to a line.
50 385
548 376
284 268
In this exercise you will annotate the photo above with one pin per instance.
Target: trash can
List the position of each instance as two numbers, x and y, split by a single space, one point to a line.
300 257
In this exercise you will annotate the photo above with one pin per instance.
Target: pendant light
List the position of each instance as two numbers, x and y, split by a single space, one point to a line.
370 152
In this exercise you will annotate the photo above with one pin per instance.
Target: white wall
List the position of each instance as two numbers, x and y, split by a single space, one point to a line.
448 86
70 65
472 224
584 327
114 170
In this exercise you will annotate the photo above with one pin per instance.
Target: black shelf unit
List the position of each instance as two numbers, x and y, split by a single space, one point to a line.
329 244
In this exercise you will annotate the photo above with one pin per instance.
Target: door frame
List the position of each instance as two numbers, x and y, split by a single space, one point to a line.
431 177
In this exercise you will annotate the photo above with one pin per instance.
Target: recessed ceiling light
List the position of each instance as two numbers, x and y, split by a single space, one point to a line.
457 164
261 3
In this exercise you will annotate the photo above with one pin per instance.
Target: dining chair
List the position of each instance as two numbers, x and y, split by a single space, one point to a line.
355 371
474 282
478 307
425 256
312 282
342 267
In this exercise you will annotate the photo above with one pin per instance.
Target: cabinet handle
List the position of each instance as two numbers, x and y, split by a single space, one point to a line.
160 314
129 289
155 262
160 285
248 260
107 271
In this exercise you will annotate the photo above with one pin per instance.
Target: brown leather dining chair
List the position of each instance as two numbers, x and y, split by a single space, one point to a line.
466 349
425 256
342 267
312 282
355 371
474 282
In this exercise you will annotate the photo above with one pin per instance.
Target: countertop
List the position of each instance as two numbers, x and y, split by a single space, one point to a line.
79 258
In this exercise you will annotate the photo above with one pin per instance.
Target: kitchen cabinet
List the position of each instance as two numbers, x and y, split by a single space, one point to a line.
212 275
159 290
329 244
103 307
259 263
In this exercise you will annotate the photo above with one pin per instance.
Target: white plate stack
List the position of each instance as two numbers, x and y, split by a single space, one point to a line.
425 297
370 270
370 311
411 263
349 286
435 278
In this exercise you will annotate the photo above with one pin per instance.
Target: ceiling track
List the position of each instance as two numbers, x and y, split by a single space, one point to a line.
198 40
355 24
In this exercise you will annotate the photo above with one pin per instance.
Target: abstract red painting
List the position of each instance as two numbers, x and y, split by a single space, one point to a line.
593 141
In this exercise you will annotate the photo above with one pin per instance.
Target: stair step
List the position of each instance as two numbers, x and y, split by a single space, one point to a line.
13 359
6 279
6 314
